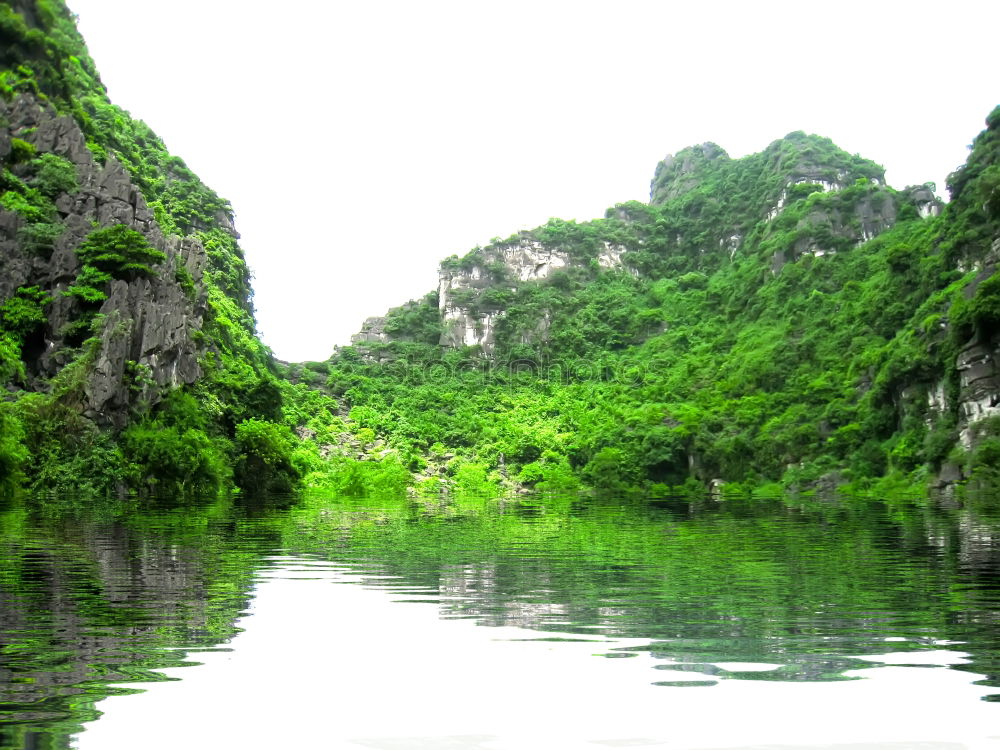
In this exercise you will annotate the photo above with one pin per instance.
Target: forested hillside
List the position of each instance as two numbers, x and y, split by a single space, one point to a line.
127 341
782 320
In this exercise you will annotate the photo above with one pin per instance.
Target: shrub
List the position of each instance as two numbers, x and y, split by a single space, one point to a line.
985 306
115 252
24 312
385 478
54 175
264 463
173 452
550 474
10 358
21 150
471 479
610 469
173 460
13 453
31 205
69 458
39 238
121 252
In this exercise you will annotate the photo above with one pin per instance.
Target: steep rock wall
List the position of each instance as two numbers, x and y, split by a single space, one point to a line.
978 368
148 336
465 320
978 364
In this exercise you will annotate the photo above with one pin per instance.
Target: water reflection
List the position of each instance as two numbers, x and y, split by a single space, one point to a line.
704 597
388 675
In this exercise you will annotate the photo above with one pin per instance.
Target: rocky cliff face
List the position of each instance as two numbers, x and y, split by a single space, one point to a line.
466 318
978 365
831 225
760 199
372 332
467 301
682 172
763 196
147 336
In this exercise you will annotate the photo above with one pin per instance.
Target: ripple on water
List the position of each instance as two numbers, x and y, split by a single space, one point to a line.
765 599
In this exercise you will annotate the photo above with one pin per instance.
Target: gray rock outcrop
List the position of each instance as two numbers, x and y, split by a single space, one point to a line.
469 321
978 368
978 364
468 316
372 331
924 199
147 336
678 174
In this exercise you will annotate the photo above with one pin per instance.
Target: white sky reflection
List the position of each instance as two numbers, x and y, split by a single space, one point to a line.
327 663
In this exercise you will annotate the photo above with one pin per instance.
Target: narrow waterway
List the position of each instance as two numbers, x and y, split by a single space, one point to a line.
542 623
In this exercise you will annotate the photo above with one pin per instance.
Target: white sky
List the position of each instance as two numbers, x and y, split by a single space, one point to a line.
361 142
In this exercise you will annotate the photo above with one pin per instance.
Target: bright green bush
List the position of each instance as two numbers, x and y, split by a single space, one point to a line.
24 312
69 458
29 204
352 478
54 175
119 251
115 252
21 150
174 462
13 453
172 452
472 479
264 460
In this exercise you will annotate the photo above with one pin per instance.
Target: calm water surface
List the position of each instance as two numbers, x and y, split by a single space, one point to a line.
541 623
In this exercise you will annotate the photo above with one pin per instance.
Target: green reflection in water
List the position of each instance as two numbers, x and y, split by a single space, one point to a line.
86 602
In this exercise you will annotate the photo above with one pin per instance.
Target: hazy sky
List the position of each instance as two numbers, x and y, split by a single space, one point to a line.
362 142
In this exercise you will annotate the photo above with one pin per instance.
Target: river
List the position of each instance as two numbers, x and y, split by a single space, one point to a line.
563 622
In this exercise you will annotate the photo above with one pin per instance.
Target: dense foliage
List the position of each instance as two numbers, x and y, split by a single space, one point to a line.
779 320
188 442
782 320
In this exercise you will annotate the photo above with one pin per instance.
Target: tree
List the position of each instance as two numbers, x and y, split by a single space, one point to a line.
112 253
121 252
265 463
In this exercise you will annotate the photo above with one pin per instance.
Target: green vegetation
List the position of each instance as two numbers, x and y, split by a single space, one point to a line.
115 252
265 459
778 321
54 175
763 329
196 439
174 453
804 586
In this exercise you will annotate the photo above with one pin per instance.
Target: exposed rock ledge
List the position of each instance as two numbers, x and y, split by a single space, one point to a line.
521 261
150 337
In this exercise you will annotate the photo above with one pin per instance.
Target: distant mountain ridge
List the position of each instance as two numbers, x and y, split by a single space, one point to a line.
729 257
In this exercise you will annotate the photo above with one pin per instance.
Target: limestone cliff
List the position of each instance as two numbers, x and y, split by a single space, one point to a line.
128 351
147 337
978 365
788 316
801 196
469 315
681 173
